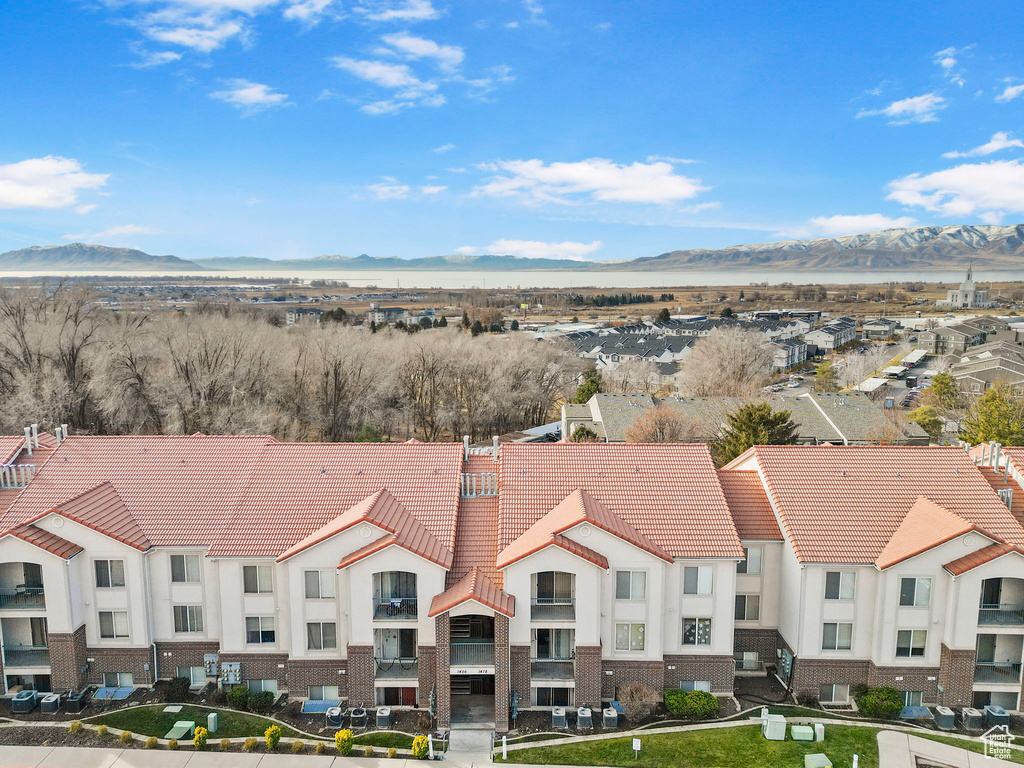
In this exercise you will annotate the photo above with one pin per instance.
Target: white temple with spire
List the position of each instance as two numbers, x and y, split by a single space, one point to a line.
967 296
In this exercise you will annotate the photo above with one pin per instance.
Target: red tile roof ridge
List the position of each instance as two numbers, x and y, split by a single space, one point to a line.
925 526
748 502
133 536
45 540
981 556
473 586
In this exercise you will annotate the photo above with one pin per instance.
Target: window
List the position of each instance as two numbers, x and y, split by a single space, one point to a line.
109 573
839 585
195 675
117 679
911 642
185 569
913 698
751 562
257 686
321 635
836 637
553 644
834 694
697 580
320 585
324 693
257 578
915 591
747 660
748 607
259 629
554 697
631 585
113 624
629 637
696 631
188 618
695 685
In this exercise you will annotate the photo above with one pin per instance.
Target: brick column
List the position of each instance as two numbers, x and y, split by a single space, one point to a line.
519 673
956 676
443 665
67 658
588 675
360 675
427 673
501 673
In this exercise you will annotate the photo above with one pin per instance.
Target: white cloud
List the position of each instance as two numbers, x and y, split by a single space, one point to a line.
448 57
308 12
432 189
999 141
537 249
45 182
833 226
493 77
400 10
594 179
947 60
443 148
112 233
1011 92
385 191
534 10
201 27
469 250
85 208
988 190
250 97
511 25
669 159
155 59
409 90
916 109
456 170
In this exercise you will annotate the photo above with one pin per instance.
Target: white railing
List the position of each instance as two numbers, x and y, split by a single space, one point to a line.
482 484
16 475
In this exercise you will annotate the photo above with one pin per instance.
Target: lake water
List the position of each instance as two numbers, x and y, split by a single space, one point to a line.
411 278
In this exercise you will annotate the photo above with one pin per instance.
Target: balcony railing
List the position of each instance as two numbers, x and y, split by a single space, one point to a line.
396 669
478 654
395 608
1001 614
552 669
553 609
26 655
997 672
12 598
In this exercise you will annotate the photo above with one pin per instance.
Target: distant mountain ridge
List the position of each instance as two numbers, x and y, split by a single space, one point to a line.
449 262
81 256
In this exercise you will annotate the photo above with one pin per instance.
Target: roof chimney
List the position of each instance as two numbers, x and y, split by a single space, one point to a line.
995 456
465 447
64 430
28 439
35 435
494 447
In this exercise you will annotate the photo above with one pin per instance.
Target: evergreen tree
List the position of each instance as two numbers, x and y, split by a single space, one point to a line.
369 434
476 328
465 320
727 312
373 326
996 415
663 315
514 325
443 322
425 323
583 434
590 386
927 418
826 379
754 424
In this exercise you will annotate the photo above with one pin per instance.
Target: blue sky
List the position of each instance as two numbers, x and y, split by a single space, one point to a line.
562 128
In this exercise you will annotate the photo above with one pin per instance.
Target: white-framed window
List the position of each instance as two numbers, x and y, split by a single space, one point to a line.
258 686
321 635
195 675
320 585
118 679
911 642
836 636
188 618
109 574
840 585
695 685
913 698
696 631
259 630
629 637
186 569
257 578
915 591
631 585
748 607
324 692
834 693
747 660
698 579
113 624
553 697
751 562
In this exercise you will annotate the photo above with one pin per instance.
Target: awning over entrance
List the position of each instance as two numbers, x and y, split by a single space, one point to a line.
474 586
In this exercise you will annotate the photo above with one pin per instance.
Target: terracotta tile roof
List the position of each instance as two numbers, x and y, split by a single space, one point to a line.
10 446
995 479
47 443
476 532
576 508
926 525
575 548
668 492
473 586
980 557
43 539
101 509
842 504
383 511
748 502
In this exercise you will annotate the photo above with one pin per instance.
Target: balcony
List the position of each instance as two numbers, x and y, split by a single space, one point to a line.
997 672
21 598
26 656
1001 615
552 669
472 654
553 609
395 609
397 669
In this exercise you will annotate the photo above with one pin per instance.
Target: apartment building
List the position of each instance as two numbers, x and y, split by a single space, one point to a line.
403 574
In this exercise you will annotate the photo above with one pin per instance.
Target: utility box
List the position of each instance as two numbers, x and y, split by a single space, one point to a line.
819 732
211 722
773 727
973 719
945 718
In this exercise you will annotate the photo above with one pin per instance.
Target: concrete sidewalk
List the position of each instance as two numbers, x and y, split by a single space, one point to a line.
901 750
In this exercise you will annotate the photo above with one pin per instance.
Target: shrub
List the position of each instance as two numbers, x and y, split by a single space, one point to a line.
881 702
700 705
272 736
298 746
858 690
420 750
172 744
368 751
392 753
808 700
176 689
126 737
320 748
225 745
101 731
152 742
250 744
674 700
261 702
199 737
239 697
75 727
343 741
639 701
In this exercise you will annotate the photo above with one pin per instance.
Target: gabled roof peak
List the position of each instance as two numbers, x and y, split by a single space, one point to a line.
477 587
102 509
925 526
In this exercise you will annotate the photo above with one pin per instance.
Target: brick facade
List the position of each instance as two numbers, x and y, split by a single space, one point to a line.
170 656
717 670
764 641
650 673
67 659
261 666
443 667
924 679
519 673
303 673
360 675
810 674
137 661
428 673
588 674
956 676
501 673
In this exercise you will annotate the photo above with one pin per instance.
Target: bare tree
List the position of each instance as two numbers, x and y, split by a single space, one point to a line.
729 361
663 424
635 376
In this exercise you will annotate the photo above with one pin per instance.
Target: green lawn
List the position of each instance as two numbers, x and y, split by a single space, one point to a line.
153 721
385 739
